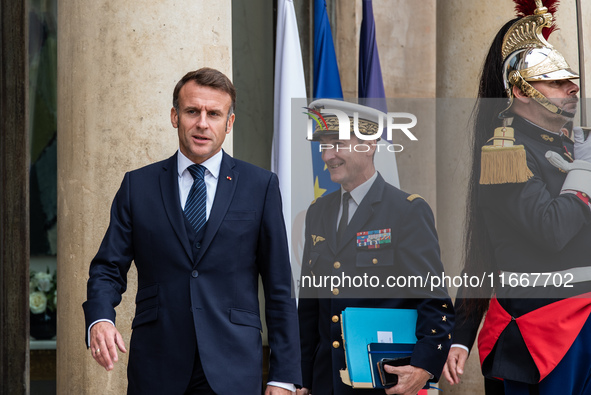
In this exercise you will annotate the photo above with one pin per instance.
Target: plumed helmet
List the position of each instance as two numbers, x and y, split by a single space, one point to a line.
527 56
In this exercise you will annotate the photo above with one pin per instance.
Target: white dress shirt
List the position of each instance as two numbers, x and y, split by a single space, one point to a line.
357 196
212 172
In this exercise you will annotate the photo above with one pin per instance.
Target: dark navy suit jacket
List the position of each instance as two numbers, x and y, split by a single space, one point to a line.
202 296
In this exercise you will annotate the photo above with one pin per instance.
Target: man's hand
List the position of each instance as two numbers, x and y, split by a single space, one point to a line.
272 390
454 366
104 341
410 379
303 391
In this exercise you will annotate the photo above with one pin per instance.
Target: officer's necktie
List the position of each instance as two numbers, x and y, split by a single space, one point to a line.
344 217
196 201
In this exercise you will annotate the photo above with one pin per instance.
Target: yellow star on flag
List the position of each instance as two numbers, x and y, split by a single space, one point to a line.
317 190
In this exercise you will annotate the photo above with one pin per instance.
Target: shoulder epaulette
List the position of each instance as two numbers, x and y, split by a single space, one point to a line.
414 196
502 162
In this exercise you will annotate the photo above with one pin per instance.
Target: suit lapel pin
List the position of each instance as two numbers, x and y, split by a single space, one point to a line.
229 178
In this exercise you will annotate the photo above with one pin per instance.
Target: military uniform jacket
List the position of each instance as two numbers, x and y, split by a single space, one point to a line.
533 229
413 251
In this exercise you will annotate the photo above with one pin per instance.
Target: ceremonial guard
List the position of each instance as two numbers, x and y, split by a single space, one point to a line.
529 219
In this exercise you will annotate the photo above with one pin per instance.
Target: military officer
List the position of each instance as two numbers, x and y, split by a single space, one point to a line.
337 232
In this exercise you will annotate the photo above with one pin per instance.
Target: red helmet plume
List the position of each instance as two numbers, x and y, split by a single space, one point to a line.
525 8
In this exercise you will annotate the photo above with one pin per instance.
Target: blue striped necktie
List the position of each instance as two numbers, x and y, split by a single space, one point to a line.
196 201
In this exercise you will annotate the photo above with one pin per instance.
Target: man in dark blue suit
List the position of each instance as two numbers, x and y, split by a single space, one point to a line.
336 228
201 227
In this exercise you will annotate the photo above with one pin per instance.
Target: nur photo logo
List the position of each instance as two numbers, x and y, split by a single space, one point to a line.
392 121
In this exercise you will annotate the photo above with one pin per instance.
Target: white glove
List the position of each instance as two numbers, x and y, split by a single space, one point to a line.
582 145
579 173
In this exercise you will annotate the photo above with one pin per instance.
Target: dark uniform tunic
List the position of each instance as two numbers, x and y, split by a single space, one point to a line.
533 229
412 251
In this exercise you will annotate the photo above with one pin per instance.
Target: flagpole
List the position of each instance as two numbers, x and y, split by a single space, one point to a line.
581 62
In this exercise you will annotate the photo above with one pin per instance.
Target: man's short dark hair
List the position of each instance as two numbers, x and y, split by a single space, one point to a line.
209 77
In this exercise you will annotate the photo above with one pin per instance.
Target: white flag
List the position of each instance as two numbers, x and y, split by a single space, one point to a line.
289 83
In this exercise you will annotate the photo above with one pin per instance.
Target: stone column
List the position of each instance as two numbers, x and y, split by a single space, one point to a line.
346 43
118 62
465 30
406 37
405 32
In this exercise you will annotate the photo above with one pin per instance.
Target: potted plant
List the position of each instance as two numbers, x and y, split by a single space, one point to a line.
43 304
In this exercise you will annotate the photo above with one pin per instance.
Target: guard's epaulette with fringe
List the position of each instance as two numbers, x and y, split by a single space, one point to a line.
502 162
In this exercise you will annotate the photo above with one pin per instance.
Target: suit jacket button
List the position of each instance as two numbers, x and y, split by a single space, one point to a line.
198 245
374 261
194 273
337 265
335 291
335 318
336 344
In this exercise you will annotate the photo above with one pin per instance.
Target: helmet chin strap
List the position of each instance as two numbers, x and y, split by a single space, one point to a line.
530 91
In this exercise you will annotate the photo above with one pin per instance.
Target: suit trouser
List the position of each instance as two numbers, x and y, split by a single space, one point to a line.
198 384
493 387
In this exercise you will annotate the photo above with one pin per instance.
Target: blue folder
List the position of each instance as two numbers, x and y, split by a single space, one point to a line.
362 326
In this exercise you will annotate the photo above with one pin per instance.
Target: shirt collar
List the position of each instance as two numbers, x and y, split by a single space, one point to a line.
212 164
359 193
